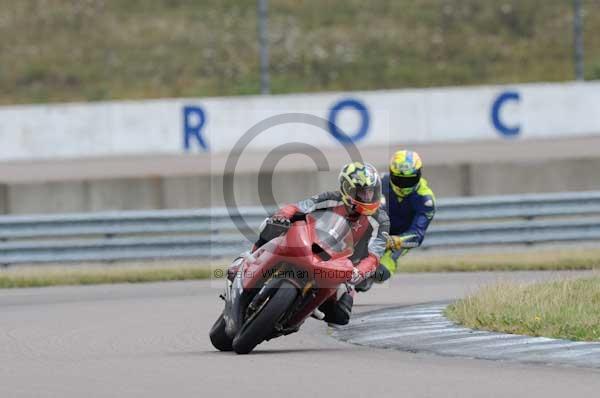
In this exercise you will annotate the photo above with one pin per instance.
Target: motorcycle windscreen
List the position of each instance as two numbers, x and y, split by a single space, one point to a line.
332 233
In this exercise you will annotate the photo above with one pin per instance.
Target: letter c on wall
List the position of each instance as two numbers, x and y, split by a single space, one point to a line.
499 125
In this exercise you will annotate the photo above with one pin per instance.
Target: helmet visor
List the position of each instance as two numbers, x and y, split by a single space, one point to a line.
405 182
370 194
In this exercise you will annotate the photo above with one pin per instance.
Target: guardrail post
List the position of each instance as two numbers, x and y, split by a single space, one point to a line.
263 40
578 40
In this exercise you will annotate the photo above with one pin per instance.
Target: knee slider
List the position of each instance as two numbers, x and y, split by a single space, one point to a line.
382 274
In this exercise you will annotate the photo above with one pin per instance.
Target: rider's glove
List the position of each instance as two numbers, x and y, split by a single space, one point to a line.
284 215
365 268
276 219
356 277
394 242
397 242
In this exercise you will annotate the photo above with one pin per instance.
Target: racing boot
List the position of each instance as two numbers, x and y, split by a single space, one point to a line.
365 285
338 309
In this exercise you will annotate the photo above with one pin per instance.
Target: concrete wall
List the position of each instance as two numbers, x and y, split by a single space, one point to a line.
369 118
532 177
51 197
82 196
204 191
485 140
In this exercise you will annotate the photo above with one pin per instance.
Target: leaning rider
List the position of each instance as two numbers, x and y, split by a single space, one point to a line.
357 200
410 205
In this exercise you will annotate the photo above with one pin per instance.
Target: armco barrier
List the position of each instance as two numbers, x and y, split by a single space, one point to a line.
210 233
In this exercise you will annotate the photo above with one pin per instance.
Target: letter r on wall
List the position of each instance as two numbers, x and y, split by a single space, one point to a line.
193 121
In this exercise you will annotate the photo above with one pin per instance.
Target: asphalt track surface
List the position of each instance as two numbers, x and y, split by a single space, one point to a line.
151 341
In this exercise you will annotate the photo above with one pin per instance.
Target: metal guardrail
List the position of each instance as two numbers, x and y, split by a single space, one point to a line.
206 233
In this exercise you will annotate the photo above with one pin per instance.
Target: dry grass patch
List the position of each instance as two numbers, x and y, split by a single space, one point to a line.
150 271
571 259
566 309
65 275
71 50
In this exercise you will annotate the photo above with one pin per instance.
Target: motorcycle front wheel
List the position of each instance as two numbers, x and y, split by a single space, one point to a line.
262 324
219 339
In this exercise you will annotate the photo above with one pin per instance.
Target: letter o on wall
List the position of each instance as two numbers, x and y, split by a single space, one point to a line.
363 112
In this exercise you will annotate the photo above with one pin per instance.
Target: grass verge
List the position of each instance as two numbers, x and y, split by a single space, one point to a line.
566 309
538 260
133 49
55 276
92 274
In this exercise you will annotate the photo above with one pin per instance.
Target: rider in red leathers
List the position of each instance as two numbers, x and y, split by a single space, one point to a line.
358 201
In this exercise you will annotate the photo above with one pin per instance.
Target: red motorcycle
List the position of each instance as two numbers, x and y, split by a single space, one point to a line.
281 284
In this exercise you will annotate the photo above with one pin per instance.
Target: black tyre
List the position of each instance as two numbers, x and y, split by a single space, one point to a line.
261 326
219 339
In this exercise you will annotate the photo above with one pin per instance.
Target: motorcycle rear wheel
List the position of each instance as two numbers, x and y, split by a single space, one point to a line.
261 326
219 339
